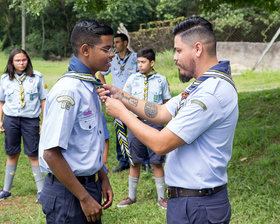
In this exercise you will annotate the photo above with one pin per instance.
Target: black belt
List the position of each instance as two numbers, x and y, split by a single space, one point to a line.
81 179
175 192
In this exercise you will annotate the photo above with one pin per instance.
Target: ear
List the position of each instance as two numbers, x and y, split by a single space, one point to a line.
152 63
198 48
84 50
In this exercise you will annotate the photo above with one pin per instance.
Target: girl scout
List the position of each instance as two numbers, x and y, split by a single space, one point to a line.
22 97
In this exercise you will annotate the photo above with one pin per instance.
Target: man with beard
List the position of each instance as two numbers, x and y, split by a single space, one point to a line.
201 121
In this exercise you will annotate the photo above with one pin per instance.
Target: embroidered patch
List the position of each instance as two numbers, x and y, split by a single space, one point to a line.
31 97
155 98
66 102
45 86
199 103
87 113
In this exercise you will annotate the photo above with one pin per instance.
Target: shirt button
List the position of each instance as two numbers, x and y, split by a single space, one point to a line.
99 132
89 127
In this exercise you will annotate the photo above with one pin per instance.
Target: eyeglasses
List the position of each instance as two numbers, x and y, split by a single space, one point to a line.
110 51
18 61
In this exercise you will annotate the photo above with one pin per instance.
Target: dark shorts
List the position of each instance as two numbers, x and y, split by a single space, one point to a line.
28 128
138 149
61 206
214 209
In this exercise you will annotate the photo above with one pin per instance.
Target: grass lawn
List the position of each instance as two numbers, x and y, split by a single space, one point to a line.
253 172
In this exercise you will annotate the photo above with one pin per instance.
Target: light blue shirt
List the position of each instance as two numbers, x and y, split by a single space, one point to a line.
119 78
157 87
35 90
106 131
73 122
206 123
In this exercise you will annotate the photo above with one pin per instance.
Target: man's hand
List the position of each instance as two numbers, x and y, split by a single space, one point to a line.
91 209
107 90
115 108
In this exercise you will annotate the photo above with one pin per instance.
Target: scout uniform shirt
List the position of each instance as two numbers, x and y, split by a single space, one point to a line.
35 90
157 87
73 122
206 123
130 67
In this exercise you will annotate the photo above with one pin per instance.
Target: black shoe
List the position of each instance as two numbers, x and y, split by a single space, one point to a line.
120 168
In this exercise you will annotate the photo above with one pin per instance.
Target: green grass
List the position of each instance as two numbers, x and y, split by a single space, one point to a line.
253 172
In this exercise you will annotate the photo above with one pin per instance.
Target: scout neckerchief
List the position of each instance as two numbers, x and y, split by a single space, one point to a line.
146 83
120 130
124 60
21 91
209 74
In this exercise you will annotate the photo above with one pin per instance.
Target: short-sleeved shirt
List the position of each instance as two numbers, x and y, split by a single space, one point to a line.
106 131
157 87
120 77
35 90
206 123
73 122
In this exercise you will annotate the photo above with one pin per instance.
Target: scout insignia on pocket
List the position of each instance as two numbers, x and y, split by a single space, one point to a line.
155 98
45 86
31 97
66 102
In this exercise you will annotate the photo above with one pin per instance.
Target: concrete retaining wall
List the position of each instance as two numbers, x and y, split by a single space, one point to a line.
244 55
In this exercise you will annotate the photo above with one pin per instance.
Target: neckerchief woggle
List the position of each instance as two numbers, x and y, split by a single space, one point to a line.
211 73
119 127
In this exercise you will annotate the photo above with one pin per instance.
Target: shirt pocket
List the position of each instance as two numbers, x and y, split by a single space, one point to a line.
88 123
156 95
31 94
10 95
137 92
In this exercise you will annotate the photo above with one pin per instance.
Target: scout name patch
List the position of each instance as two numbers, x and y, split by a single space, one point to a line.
66 102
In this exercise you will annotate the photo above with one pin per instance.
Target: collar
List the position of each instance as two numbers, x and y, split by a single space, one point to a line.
222 66
76 65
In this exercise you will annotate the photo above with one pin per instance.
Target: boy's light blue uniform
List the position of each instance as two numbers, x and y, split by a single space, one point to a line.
120 77
157 92
157 87
35 90
73 122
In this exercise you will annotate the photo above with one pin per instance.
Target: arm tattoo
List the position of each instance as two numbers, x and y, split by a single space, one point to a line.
151 109
131 100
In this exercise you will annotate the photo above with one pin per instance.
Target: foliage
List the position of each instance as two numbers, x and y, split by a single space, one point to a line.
167 9
267 5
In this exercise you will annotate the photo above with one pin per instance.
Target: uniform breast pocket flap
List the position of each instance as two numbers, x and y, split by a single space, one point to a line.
31 94
88 123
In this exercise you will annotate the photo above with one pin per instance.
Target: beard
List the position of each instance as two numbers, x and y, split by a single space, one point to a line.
188 73
183 78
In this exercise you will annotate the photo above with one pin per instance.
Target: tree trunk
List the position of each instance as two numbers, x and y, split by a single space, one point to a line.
23 26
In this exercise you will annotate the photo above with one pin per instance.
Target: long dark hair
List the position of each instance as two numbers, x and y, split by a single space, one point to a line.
10 69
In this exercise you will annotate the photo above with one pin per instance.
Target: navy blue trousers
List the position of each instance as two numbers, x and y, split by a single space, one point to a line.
61 206
214 209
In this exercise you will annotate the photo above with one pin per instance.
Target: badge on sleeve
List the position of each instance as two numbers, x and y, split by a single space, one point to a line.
66 101
199 103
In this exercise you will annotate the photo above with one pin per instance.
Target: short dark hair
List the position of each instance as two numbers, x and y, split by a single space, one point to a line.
88 32
10 69
197 29
122 36
147 53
